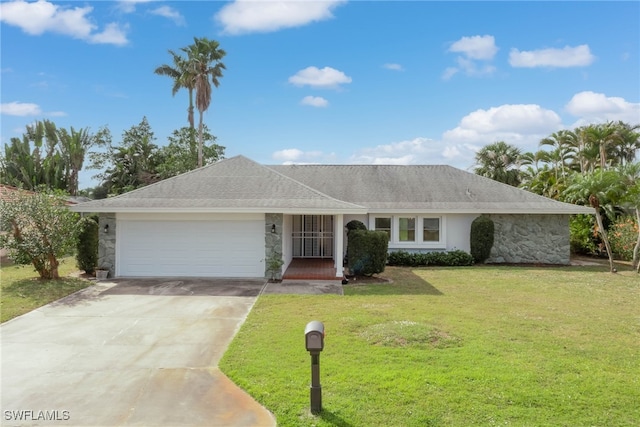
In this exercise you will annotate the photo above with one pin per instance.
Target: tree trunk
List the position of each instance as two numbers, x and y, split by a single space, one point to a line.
200 141
636 249
605 239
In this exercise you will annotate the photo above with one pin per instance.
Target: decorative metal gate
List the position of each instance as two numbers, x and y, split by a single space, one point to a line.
313 236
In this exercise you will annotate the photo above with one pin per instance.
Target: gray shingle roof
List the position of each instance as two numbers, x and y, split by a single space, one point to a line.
424 188
242 185
232 185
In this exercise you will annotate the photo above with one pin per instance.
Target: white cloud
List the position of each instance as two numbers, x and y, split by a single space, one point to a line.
20 109
129 6
476 47
415 151
475 51
394 67
579 56
247 16
522 125
326 77
112 34
594 107
39 17
295 156
170 13
314 101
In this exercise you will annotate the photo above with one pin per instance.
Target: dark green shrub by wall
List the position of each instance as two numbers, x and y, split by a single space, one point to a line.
455 258
367 252
482 229
355 225
87 256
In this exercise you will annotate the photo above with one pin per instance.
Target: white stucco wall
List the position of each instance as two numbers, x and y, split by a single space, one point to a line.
458 231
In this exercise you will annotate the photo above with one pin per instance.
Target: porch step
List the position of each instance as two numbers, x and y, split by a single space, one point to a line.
310 269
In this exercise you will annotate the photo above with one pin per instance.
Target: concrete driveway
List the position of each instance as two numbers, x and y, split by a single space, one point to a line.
129 353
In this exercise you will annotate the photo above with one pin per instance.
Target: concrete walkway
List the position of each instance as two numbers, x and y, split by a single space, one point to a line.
129 354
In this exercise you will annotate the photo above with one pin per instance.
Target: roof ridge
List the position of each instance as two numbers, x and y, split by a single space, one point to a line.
310 188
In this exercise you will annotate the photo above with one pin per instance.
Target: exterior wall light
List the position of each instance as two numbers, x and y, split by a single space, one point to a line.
273 228
106 228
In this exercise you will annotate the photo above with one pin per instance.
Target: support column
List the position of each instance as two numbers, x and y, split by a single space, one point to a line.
338 239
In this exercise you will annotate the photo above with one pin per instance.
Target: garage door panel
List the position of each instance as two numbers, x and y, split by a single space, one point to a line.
191 248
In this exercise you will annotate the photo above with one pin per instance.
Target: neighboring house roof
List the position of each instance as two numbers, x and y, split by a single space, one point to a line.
242 185
7 193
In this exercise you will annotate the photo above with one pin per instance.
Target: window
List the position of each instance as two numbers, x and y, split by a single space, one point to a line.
431 229
384 224
407 229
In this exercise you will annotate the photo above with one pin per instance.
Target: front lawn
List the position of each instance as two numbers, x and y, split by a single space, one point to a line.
453 347
22 290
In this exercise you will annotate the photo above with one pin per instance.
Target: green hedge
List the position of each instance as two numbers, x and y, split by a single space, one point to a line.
451 259
367 252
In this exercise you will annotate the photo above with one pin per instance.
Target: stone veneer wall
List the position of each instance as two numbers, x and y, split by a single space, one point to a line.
530 239
272 241
107 243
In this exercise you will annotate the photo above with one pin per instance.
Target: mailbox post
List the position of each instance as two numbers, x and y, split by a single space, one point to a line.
314 342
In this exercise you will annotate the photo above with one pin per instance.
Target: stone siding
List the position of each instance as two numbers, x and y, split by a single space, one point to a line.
107 243
272 242
530 239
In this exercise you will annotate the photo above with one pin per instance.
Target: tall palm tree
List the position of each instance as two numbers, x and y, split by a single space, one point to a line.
628 143
604 136
205 66
500 162
183 77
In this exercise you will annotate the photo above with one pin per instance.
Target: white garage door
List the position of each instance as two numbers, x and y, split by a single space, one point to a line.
190 248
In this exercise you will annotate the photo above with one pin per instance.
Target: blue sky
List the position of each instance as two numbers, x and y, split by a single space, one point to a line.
415 82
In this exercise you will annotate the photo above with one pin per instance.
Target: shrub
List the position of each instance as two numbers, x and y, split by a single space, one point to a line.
449 259
623 235
582 236
482 229
367 251
355 225
87 246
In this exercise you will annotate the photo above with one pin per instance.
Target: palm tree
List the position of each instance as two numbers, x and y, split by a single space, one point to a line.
629 177
182 78
600 189
564 152
500 162
628 143
204 67
74 147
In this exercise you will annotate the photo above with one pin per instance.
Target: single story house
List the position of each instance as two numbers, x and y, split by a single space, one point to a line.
229 218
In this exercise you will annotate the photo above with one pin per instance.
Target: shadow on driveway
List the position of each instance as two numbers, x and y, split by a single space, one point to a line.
187 287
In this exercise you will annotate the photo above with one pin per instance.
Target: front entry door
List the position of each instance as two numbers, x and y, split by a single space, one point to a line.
313 236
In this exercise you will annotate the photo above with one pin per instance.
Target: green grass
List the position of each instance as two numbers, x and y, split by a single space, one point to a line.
453 347
22 291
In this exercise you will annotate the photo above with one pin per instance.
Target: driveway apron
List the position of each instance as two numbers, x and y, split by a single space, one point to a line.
129 353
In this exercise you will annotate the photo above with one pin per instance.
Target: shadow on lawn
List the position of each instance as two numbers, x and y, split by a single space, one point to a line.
333 419
401 281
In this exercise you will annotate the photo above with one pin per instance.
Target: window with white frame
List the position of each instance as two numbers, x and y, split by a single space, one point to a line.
406 230
430 229
383 224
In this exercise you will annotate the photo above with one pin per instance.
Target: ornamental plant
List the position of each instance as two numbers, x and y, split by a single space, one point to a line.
623 234
38 228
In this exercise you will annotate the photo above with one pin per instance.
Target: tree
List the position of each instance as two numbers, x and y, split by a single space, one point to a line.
204 58
600 190
629 178
181 154
500 162
55 161
130 165
39 229
564 151
182 76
